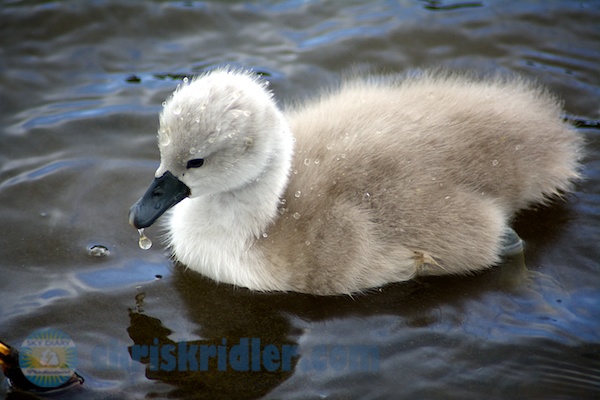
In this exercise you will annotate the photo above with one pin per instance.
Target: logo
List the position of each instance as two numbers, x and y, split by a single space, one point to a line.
48 357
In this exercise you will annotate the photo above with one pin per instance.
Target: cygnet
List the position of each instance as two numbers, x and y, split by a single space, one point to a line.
378 180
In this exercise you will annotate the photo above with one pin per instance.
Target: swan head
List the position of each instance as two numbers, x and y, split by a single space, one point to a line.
218 133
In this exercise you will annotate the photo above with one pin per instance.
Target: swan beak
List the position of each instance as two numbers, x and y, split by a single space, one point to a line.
163 193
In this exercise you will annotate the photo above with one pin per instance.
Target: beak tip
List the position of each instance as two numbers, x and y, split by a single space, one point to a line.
163 193
134 219
132 214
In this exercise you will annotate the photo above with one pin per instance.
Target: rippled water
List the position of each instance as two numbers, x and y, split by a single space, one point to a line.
81 85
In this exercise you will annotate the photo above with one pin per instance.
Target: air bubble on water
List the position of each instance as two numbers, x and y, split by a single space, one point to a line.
185 80
98 250
297 194
296 215
193 150
495 163
329 146
265 235
144 242
367 196
247 113
307 161
317 161
176 110
248 141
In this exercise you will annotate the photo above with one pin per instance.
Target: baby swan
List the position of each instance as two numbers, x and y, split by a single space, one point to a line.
378 181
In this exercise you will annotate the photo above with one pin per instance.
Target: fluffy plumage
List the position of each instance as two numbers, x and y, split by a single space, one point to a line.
377 181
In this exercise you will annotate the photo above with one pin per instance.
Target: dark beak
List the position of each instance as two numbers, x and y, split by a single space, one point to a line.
163 193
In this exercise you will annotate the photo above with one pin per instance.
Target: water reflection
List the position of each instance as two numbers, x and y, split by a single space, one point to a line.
130 273
229 320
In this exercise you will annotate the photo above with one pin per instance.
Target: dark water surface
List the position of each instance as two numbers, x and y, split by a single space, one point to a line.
81 85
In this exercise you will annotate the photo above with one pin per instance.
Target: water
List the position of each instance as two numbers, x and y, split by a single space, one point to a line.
81 86
144 242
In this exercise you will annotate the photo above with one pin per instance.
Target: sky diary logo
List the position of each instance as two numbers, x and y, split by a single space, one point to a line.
48 357
249 354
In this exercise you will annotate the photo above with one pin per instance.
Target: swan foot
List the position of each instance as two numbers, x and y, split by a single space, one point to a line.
511 243
427 265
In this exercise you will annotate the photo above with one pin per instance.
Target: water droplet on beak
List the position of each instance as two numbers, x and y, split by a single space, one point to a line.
144 242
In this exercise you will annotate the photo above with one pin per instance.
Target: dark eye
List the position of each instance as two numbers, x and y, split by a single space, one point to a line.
195 163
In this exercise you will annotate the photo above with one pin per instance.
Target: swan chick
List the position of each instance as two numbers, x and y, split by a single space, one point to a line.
378 181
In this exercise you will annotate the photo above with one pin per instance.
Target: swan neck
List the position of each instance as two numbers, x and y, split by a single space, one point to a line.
253 207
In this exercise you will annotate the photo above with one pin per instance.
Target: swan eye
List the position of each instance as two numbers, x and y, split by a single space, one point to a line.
195 163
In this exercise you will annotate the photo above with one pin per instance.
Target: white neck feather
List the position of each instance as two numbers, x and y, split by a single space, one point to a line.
225 225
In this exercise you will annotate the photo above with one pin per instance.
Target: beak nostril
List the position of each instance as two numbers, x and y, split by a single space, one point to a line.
157 192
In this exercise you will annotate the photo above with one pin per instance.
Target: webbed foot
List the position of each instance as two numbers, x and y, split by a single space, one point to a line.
511 243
